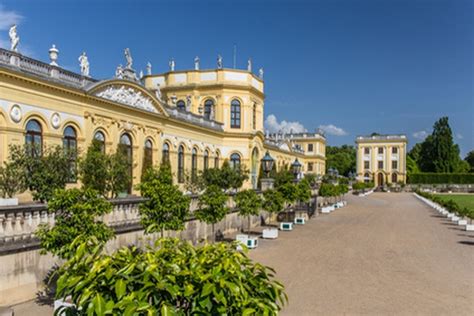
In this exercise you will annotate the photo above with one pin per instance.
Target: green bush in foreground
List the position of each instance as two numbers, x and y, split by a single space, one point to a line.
172 278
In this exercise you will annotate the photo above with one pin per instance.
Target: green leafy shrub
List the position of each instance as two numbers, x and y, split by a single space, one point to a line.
249 203
441 178
12 179
273 202
225 177
172 278
212 206
303 191
76 213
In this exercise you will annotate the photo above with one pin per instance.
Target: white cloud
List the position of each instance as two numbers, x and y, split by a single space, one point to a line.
331 129
421 135
273 126
459 136
7 19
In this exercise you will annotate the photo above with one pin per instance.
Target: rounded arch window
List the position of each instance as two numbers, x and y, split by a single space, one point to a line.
148 154
181 105
34 138
70 147
235 114
166 152
194 164
366 177
127 150
216 160
206 159
208 106
181 164
394 178
99 137
235 160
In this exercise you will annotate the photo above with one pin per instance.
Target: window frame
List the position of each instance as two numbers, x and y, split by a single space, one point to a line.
235 114
181 164
34 135
70 142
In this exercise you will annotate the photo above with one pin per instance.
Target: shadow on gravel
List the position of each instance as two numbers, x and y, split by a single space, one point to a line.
466 235
450 223
438 216
469 243
456 228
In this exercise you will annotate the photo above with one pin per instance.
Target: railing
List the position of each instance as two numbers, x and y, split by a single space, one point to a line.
195 119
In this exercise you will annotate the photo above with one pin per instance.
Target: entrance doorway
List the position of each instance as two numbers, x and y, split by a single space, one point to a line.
380 179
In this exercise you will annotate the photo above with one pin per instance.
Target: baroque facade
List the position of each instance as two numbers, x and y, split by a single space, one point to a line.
382 159
196 118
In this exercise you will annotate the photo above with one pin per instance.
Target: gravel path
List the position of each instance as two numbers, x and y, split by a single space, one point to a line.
387 253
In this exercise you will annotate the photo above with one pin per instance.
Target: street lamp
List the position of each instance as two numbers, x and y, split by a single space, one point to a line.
296 168
267 164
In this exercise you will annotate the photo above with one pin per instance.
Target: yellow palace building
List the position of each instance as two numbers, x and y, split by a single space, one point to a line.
196 118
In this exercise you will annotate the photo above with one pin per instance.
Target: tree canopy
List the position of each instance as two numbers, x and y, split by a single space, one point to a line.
342 158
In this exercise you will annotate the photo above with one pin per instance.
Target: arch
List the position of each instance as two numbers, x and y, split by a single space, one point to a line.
126 146
147 154
165 152
394 178
216 159
75 125
100 137
380 179
70 147
181 164
235 113
206 159
235 160
181 105
34 137
208 108
367 177
194 163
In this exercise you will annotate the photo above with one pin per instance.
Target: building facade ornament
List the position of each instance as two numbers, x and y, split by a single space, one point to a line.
196 63
53 55
14 38
249 65
128 57
148 68
84 64
55 120
128 96
15 113
260 73
220 63
172 64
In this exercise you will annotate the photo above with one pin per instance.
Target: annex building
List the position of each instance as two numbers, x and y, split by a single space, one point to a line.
195 118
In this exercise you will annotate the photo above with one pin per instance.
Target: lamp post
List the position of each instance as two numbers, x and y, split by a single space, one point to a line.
267 165
296 169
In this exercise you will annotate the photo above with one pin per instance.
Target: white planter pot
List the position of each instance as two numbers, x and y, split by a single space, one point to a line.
250 241
470 228
287 226
449 215
300 220
462 222
9 202
325 210
270 233
62 303
455 218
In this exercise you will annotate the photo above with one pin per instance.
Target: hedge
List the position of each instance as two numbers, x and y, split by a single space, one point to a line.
441 178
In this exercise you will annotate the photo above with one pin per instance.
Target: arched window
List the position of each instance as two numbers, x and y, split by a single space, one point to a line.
181 105
366 177
70 148
235 114
34 138
216 160
181 164
166 153
394 178
235 161
100 138
148 155
254 116
194 161
206 159
126 148
208 105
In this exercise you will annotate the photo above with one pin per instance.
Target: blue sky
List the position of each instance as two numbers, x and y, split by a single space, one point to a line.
349 66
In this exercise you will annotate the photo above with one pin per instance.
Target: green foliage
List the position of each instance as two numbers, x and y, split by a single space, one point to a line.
12 179
172 278
470 160
450 204
225 177
76 212
342 158
288 191
43 174
283 177
273 201
358 186
166 207
303 191
311 178
108 174
212 206
412 166
441 178
327 190
249 203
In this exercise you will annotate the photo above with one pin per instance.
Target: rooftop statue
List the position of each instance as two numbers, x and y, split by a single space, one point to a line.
14 38
119 71
129 58
196 63
220 64
172 64
84 64
249 65
148 68
260 73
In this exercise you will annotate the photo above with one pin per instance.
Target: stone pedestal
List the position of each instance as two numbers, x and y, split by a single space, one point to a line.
267 184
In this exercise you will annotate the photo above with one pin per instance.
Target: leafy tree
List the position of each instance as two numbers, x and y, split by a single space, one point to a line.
225 177
12 179
273 202
249 203
119 179
43 174
342 158
303 191
75 211
470 160
412 166
327 190
171 278
289 192
94 168
212 206
166 207
283 177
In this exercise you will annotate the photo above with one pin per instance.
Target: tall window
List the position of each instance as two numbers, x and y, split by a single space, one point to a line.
216 160
100 138
206 159
310 147
208 105
310 166
194 161
366 177
380 165
254 116
148 155
235 114
394 164
181 105
34 138
394 150
127 150
235 161
394 178
181 164
366 164
380 150
70 148
166 153
366 150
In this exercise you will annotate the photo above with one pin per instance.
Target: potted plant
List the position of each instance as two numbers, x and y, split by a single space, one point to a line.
212 207
249 203
273 203
12 181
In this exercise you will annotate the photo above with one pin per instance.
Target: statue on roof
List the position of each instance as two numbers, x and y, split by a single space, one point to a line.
119 71
196 63
220 63
14 38
249 65
148 68
84 64
128 57
172 64
260 73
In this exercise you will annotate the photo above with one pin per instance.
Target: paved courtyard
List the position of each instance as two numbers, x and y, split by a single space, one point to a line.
383 254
